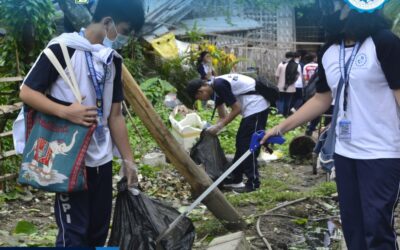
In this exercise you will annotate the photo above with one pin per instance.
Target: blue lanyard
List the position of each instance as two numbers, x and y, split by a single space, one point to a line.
346 69
98 86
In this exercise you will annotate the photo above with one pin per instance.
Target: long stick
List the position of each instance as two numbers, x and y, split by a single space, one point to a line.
204 195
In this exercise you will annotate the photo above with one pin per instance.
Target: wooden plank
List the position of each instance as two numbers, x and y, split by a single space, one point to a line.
8 109
5 134
12 79
8 154
195 176
8 177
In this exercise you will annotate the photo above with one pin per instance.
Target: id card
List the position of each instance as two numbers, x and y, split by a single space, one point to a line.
99 132
345 130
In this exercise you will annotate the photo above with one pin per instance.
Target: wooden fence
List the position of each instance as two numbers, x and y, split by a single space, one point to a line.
8 113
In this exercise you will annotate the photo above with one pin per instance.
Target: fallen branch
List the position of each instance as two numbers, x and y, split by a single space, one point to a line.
269 211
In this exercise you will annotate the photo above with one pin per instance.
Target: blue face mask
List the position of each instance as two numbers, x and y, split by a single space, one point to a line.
118 42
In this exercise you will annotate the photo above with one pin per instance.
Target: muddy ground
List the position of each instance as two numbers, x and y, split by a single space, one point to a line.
303 225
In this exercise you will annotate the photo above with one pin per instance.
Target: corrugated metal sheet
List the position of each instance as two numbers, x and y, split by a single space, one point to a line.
164 12
220 24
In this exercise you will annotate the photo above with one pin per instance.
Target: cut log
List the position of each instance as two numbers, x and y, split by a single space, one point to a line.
195 176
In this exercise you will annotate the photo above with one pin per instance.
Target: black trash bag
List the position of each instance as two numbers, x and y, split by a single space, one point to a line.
208 151
139 220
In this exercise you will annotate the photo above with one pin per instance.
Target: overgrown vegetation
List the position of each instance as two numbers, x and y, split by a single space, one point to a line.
29 25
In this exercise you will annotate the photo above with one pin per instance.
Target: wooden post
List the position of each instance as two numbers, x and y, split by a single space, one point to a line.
194 175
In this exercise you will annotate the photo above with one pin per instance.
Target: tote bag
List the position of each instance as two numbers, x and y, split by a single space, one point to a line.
53 157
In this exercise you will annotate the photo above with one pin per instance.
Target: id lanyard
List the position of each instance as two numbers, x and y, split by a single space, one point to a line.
99 89
345 70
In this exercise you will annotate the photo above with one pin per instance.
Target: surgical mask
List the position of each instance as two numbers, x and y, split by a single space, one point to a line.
118 42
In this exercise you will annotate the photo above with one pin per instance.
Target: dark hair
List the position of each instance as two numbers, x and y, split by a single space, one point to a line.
201 57
130 11
310 57
289 54
362 25
194 86
358 26
296 54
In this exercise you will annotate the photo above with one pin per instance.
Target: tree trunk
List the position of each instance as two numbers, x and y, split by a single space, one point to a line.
196 176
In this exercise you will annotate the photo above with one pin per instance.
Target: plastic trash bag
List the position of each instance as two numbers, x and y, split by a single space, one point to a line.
138 221
208 151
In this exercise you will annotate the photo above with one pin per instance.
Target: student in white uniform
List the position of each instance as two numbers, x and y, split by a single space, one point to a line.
367 152
83 218
237 92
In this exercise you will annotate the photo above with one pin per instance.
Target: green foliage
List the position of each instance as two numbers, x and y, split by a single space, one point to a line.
29 25
25 227
178 72
155 89
194 34
301 221
149 171
134 59
325 189
392 11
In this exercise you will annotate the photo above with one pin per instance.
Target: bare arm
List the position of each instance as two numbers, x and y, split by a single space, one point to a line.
75 113
315 107
397 95
119 132
226 119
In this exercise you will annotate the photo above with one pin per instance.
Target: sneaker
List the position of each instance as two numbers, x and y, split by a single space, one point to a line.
234 185
245 189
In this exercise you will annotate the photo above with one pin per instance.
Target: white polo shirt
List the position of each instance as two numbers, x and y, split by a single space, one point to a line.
232 87
372 107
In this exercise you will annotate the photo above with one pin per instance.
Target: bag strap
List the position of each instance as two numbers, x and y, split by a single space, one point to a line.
71 81
67 59
331 136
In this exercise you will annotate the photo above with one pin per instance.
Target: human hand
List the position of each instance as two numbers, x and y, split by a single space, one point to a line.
272 132
130 171
80 114
215 128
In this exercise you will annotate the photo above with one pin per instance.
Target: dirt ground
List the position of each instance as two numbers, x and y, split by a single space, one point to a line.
284 228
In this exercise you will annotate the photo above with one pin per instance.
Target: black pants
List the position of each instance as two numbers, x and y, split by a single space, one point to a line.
83 218
368 196
284 103
249 167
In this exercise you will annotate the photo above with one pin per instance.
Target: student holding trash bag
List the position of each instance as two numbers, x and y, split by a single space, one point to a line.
238 92
367 136
83 217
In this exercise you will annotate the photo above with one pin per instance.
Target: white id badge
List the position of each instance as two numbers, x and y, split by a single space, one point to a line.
345 130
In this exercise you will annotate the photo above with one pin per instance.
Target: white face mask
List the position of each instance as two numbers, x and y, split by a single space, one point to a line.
118 42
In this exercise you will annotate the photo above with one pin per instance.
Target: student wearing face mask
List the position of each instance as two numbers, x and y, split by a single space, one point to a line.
83 218
361 53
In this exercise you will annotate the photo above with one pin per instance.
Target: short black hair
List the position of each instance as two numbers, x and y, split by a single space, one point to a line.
289 54
194 86
130 11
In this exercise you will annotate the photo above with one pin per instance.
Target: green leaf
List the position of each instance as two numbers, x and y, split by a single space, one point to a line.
25 227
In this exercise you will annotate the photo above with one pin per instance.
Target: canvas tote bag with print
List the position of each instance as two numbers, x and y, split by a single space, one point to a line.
53 157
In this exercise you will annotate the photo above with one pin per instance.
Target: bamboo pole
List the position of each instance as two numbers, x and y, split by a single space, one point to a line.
195 176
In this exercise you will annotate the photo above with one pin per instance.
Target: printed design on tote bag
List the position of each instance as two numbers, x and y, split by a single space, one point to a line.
44 153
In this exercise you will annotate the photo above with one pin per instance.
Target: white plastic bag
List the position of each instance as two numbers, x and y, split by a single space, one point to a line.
18 130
